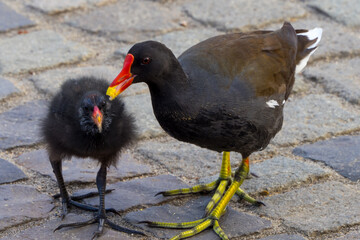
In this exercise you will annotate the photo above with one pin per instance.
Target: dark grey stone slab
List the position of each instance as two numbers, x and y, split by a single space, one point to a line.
141 108
354 235
6 88
281 172
46 231
338 77
322 207
39 50
184 159
9 19
283 237
9 172
129 20
20 126
346 11
138 192
83 170
242 14
341 153
333 39
234 223
51 80
21 204
316 116
54 7
178 41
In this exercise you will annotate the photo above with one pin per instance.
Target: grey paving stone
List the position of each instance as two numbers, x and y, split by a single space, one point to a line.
138 192
82 170
9 19
51 80
21 204
54 7
346 11
43 49
336 40
338 77
46 231
7 88
283 237
341 153
141 108
234 223
281 172
9 172
129 20
316 116
20 126
242 14
184 159
354 235
178 41
318 208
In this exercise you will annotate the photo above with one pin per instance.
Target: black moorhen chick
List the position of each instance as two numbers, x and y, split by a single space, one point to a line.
82 122
226 93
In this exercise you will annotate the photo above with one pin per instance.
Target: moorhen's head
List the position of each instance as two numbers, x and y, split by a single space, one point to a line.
93 113
145 62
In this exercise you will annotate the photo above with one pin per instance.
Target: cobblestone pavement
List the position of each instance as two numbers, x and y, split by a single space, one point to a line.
308 177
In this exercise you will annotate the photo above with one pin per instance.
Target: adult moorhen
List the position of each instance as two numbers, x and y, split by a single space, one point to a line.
82 122
226 93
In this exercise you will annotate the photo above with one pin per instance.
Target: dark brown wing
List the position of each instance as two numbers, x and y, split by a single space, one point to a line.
263 61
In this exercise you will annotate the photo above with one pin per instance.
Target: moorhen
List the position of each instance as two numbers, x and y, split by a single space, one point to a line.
226 93
82 122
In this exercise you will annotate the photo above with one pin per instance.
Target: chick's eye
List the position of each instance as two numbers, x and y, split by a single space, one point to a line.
146 60
102 103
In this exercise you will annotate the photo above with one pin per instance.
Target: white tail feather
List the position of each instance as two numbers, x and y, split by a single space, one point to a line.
311 35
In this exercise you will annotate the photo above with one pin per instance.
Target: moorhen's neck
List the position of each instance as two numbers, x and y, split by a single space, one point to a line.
173 83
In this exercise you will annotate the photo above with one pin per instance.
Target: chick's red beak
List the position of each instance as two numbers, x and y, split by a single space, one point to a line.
97 117
123 80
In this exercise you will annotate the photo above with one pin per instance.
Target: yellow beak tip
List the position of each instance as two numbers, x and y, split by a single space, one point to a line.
111 92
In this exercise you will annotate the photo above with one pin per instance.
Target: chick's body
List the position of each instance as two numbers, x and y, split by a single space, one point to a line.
69 130
82 122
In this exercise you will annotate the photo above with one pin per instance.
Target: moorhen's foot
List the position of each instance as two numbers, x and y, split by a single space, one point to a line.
226 177
101 222
217 205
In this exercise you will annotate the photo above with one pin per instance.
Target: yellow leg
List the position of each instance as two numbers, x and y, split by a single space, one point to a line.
224 179
215 214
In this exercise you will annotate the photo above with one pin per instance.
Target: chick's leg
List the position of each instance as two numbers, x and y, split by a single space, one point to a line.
100 217
71 200
214 215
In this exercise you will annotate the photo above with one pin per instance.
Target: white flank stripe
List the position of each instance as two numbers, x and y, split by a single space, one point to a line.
272 103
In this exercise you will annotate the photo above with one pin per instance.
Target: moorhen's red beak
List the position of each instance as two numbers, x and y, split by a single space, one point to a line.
123 80
97 117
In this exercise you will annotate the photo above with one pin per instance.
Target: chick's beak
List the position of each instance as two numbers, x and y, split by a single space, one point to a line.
123 80
97 117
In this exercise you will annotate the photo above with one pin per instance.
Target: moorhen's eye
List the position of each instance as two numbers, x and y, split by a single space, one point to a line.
146 60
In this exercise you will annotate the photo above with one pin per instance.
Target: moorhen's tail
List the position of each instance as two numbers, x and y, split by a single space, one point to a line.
308 41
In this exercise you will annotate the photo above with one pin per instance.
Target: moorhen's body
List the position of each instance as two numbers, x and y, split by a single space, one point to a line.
82 122
226 93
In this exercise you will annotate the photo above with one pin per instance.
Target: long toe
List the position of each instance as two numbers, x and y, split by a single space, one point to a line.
89 195
76 224
90 208
122 229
